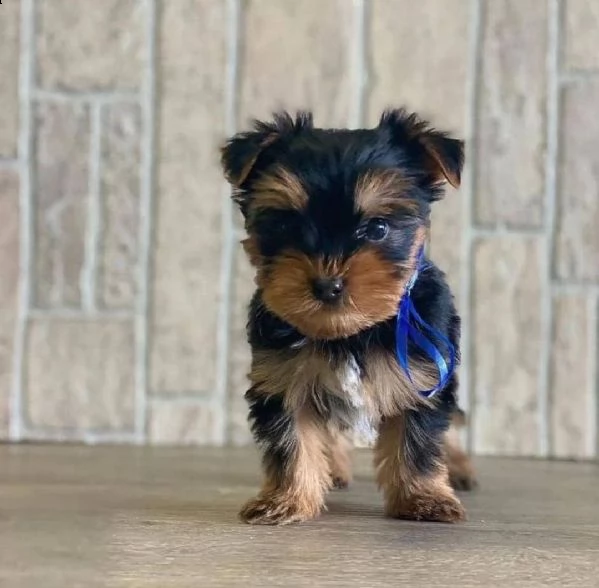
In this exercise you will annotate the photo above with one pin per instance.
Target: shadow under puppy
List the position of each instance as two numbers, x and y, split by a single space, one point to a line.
337 221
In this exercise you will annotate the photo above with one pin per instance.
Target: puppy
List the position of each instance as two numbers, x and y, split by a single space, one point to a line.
336 222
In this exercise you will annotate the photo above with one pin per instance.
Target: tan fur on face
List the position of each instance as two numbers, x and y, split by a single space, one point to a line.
280 189
373 288
382 192
299 494
408 493
373 292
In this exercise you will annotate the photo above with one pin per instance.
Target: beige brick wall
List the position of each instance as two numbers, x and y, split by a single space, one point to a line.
123 289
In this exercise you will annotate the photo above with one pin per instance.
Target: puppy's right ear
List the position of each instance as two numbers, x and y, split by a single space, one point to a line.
240 154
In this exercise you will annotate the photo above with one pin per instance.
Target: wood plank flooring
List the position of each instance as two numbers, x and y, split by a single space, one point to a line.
120 516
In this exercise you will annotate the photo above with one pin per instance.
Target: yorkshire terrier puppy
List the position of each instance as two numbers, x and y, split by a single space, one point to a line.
351 327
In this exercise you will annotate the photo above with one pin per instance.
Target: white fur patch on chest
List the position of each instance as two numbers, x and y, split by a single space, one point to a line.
350 380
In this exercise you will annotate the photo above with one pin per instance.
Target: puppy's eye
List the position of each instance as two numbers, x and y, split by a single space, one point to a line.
281 227
376 229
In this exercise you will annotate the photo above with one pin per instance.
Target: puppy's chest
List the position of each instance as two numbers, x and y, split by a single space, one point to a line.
339 392
362 408
355 393
347 381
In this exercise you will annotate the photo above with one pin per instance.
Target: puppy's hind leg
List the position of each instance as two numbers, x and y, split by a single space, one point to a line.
459 464
339 454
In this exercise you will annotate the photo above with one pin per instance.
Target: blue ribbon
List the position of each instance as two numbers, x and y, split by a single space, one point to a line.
410 325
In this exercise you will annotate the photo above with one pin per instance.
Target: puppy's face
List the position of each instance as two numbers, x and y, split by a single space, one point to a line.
336 218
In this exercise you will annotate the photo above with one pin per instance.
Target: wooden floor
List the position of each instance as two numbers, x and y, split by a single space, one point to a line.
85 517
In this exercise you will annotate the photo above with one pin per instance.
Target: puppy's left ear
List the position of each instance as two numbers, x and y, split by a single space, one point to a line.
444 157
441 156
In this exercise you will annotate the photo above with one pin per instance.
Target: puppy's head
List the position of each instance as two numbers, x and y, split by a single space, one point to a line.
336 218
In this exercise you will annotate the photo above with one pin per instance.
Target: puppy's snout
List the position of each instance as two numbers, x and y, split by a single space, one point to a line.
328 289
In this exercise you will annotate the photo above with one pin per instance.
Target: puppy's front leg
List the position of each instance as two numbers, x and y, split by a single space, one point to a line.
411 469
295 462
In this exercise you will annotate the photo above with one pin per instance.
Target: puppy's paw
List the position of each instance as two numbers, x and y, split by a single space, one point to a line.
441 508
274 509
463 480
341 482
459 464
461 471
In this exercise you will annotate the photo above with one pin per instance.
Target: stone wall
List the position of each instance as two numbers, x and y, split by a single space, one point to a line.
123 288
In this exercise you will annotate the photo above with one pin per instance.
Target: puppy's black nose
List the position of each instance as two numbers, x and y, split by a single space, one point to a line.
328 289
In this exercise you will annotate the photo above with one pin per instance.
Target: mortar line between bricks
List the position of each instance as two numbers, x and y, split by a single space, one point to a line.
592 439
466 279
579 288
110 97
9 164
89 273
596 374
567 78
545 439
233 8
358 64
87 436
26 78
79 314
202 398
503 232
146 204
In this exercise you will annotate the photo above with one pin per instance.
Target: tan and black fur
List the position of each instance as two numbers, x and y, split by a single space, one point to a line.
335 222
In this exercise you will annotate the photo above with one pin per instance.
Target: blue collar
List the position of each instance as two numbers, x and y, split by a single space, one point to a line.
410 325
